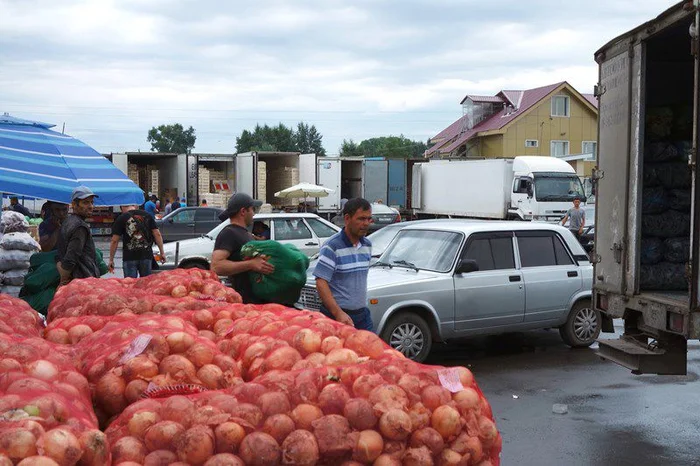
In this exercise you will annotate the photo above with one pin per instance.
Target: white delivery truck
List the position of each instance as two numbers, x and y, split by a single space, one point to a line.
351 177
524 188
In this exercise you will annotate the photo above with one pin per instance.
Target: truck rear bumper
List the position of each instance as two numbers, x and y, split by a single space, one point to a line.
643 358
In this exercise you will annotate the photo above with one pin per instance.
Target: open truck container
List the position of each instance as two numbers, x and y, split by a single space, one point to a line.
647 209
351 177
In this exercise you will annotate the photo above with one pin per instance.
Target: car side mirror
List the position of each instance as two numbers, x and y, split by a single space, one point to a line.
467 266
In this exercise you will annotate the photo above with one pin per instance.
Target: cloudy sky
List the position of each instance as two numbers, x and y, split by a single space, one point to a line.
112 69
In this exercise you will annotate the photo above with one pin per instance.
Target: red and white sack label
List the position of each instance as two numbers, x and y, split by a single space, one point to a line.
136 347
449 378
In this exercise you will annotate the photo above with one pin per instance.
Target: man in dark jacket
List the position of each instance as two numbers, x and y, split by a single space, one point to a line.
77 257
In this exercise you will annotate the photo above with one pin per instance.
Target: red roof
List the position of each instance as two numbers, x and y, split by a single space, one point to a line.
521 100
591 98
484 98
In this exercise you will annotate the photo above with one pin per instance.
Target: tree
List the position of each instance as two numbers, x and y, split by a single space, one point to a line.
349 148
280 138
385 146
309 140
172 138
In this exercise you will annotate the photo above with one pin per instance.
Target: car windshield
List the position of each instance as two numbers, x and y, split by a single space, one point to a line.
425 249
381 238
558 187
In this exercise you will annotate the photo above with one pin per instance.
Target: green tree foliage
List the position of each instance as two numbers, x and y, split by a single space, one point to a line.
280 138
172 138
385 146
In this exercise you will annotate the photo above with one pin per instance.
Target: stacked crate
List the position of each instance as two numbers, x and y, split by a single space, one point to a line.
133 173
262 182
203 179
283 178
152 179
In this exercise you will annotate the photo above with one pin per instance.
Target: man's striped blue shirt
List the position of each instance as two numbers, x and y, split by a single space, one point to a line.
344 266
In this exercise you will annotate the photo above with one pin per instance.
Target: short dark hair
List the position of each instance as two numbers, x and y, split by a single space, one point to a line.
204 201
154 197
355 204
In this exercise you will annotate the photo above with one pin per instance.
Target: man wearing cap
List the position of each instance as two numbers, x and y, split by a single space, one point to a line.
77 257
226 259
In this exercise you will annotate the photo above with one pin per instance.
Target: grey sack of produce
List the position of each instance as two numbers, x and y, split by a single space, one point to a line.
669 224
654 200
660 152
677 250
664 276
679 199
672 175
651 251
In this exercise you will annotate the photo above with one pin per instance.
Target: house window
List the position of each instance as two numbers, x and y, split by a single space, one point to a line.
532 143
560 106
559 148
589 147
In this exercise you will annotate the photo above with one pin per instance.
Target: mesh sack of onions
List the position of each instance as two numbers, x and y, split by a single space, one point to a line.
128 355
379 412
46 415
18 318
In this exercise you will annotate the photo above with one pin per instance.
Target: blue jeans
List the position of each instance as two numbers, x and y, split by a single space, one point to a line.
138 268
362 318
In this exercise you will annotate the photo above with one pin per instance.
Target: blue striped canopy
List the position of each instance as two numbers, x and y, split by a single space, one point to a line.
40 163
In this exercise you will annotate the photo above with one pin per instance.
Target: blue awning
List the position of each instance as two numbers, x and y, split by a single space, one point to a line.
38 162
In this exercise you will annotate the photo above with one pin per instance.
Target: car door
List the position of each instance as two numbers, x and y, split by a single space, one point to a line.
493 296
320 230
180 225
294 231
551 275
205 219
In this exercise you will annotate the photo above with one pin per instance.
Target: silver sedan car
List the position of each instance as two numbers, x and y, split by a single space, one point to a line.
446 280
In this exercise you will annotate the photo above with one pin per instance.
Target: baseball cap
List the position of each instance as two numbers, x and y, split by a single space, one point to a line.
237 202
82 192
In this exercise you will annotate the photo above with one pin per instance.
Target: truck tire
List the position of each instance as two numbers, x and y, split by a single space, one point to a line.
410 334
195 265
583 325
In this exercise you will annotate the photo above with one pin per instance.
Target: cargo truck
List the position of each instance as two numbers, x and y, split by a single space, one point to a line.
521 188
648 204
350 177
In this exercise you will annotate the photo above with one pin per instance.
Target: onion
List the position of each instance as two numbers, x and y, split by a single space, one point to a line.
434 396
207 334
282 358
360 414
365 343
392 373
179 409
487 432
254 351
446 421
162 436
317 359
78 332
139 367
58 335
395 424
307 341
160 458
134 390
249 392
486 408
229 436
304 415
364 384
274 403
428 437
341 357
369 446
221 325
200 354
141 422
178 367
300 448
179 291
17 443
42 369
260 449
330 343
128 449
417 457
77 380
278 426
332 433
387 460
209 416
179 342
387 397
332 398
211 376
203 319
449 457
249 413
224 459
60 445
420 416
109 391
196 445
37 461
157 348
465 376
467 400
95 448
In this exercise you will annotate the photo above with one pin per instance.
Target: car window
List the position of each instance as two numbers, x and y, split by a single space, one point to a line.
291 229
425 249
184 216
321 229
381 238
205 215
491 252
541 249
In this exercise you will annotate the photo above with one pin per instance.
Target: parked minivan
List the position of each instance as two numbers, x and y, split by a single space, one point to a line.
443 280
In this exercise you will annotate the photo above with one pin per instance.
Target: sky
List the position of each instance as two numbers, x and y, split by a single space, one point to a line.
112 69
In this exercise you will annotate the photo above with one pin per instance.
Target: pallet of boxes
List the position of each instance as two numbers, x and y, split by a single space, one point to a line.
283 178
262 182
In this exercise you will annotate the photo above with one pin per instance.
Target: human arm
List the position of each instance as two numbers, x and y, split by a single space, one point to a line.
113 245
564 220
222 265
324 292
74 249
583 222
158 238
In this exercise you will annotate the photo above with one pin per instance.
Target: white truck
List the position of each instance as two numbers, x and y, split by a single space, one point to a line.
524 188
646 255
351 177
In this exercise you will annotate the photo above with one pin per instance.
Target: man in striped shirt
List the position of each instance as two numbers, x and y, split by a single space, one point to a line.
343 264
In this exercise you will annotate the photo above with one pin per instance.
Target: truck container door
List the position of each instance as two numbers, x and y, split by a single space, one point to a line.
619 145
307 168
329 177
695 219
416 186
246 173
397 183
375 174
192 180
121 161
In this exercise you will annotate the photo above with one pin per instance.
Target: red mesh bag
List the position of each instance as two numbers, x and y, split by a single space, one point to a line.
18 318
128 354
45 407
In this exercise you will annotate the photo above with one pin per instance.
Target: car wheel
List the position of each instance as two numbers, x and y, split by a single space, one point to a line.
582 327
195 265
409 334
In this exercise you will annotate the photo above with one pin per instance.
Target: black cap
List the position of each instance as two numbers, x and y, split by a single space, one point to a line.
237 202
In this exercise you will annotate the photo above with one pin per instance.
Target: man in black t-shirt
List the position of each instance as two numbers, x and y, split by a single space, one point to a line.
226 259
138 230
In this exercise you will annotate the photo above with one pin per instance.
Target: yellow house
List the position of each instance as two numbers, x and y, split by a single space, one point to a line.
554 120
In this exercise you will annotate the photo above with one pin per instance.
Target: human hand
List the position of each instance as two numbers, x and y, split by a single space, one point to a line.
162 257
110 266
343 318
580 231
260 265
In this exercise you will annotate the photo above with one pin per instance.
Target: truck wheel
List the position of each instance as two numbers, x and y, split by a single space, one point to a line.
582 327
409 334
195 265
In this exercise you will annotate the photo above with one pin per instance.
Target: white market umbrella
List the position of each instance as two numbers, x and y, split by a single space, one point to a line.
304 190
